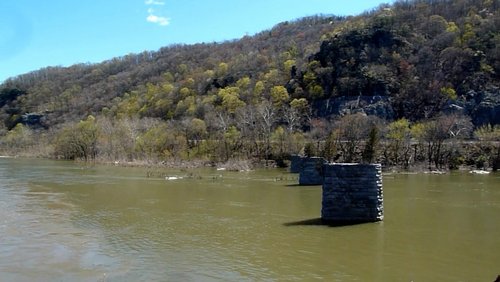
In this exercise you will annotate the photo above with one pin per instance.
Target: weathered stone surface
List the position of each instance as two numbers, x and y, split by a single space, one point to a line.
378 105
484 107
33 120
352 192
311 172
296 163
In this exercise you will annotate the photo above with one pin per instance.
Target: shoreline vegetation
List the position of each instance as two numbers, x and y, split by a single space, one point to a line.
244 166
398 146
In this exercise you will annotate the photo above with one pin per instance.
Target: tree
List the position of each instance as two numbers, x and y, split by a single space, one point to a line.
369 152
399 137
222 69
352 129
301 113
436 131
309 150
331 146
248 120
279 96
267 119
258 91
459 125
316 91
231 99
292 118
78 141
232 142
491 135
417 134
116 139
18 139
195 131
161 141
279 137
320 129
288 65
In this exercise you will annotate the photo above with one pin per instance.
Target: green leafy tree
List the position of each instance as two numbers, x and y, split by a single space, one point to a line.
288 65
232 142
78 141
222 69
279 137
316 91
279 96
161 142
231 99
18 139
449 93
399 137
258 92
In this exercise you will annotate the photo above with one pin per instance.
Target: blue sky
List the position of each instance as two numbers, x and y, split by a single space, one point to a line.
40 33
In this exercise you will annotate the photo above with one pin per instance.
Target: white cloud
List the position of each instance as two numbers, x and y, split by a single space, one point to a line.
153 16
158 20
154 2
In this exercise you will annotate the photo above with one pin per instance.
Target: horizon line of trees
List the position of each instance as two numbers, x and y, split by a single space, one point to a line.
446 142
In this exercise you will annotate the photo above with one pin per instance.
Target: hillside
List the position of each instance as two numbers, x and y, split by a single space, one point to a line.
70 94
425 56
415 60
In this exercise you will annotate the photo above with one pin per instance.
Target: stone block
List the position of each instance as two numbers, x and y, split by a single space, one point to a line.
352 192
312 171
296 163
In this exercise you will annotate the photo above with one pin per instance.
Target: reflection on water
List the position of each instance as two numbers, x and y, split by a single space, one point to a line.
61 221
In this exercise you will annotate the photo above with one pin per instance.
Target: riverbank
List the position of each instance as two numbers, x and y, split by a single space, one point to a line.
246 165
407 155
230 165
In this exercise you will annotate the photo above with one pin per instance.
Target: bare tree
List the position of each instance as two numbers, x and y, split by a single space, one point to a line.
267 119
352 130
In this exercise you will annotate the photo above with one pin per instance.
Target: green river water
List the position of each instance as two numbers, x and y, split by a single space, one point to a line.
61 221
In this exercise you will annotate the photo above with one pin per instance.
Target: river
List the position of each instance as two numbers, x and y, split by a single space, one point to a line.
61 221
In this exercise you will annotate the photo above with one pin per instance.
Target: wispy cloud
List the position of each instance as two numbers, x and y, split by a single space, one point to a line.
154 2
154 17
158 20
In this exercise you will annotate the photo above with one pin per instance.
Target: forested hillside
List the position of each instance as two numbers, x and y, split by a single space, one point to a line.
416 72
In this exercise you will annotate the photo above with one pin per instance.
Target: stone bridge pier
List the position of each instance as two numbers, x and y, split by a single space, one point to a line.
352 192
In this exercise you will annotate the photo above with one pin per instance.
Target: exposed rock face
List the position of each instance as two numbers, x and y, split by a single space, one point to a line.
379 106
33 120
352 192
484 107
311 172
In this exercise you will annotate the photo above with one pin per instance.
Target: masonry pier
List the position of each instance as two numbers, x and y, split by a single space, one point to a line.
352 192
